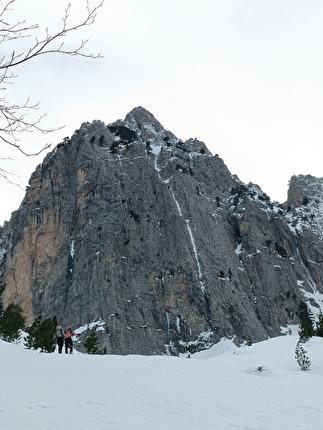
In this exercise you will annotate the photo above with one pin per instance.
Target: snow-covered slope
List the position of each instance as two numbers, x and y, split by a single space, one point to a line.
257 387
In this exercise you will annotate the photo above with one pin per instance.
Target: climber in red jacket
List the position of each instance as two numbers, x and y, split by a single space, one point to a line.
68 340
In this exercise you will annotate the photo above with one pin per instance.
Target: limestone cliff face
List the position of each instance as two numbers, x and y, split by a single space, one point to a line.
129 225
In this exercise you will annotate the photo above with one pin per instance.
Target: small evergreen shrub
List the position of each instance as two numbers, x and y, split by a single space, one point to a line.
230 274
319 326
114 147
249 341
302 360
126 135
281 250
305 201
148 146
135 216
221 275
91 344
102 140
240 190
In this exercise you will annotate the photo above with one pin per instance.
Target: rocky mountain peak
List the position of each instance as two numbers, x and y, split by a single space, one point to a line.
153 237
139 119
144 125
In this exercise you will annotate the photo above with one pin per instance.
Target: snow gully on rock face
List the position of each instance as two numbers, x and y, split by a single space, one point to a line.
187 222
202 284
72 250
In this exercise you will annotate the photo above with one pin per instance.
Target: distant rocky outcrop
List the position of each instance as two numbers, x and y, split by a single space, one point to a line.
153 236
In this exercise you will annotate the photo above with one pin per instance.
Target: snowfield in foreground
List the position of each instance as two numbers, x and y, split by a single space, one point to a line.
257 387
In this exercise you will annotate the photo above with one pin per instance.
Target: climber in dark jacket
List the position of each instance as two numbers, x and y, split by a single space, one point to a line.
59 334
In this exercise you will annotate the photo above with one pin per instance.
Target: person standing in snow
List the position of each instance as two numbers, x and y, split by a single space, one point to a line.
68 340
59 334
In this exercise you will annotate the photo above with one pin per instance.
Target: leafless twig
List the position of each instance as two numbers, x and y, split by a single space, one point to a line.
14 117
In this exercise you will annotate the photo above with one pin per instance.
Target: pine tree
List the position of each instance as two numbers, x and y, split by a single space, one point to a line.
301 357
319 326
40 335
11 322
307 323
92 343
306 330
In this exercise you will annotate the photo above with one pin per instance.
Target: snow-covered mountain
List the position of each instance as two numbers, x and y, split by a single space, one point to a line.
130 225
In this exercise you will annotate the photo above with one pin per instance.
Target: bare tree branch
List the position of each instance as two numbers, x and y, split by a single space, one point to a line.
5 174
45 45
14 118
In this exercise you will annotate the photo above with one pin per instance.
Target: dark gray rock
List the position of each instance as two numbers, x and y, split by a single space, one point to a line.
129 225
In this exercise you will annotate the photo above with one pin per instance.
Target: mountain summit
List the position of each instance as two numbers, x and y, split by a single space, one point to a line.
154 237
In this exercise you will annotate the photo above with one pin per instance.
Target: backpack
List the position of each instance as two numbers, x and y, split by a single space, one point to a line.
59 332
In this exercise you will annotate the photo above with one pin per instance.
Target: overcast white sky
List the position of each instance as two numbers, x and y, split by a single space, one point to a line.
244 76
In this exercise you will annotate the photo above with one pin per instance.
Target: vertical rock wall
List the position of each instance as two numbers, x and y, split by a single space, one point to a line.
128 224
